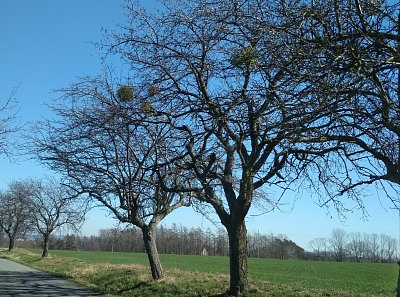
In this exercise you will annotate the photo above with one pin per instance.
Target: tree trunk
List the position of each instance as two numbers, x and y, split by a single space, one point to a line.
152 253
238 259
46 243
11 242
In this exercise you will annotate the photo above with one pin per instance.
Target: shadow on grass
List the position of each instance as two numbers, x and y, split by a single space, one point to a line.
161 288
135 287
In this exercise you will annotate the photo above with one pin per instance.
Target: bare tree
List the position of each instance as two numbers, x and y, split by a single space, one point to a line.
356 246
320 246
373 247
392 248
109 238
219 75
388 247
337 242
106 146
53 207
14 210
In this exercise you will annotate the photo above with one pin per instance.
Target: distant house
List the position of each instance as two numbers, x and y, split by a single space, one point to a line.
204 252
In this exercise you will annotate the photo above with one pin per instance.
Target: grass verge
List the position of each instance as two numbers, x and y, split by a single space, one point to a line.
115 279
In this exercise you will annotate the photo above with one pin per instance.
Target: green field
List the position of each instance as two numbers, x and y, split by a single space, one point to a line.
267 277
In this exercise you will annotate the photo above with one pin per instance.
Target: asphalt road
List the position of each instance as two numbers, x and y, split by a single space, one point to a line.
20 280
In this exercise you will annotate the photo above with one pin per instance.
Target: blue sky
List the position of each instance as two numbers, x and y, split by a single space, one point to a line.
47 44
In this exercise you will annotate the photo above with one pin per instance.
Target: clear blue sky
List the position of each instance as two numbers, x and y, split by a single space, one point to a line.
47 44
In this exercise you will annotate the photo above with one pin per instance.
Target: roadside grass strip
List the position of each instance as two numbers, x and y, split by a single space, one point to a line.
126 274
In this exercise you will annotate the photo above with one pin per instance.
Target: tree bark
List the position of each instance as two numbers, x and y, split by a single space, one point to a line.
238 259
46 242
11 242
149 240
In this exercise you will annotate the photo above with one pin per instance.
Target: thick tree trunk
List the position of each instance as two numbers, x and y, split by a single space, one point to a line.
238 259
152 253
46 243
11 242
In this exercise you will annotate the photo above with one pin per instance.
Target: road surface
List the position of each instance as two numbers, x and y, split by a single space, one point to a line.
20 280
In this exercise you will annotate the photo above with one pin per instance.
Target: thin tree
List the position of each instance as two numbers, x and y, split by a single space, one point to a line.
319 246
338 241
53 207
356 246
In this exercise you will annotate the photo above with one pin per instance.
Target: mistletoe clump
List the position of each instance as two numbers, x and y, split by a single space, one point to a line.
125 93
246 58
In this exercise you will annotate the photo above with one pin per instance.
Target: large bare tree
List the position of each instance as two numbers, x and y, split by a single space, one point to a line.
106 146
53 207
220 75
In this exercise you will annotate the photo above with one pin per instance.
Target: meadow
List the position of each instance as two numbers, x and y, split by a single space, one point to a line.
126 274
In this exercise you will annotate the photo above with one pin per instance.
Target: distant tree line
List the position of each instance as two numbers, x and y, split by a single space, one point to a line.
339 246
354 246
178 239
181 240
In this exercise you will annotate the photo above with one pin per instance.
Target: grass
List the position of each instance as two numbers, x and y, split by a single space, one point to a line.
127 274
373 278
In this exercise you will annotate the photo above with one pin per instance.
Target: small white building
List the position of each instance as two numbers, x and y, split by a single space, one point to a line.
204 252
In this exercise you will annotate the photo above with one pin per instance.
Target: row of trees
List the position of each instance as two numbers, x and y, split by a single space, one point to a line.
355 246
340 246
193 241
225 101
32 207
